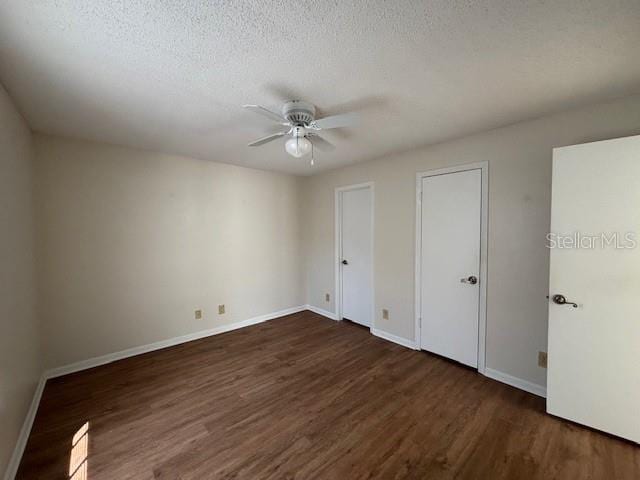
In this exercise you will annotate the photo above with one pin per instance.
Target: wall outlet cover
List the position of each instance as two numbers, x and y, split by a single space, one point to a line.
542 359
385 314
198 314
327 297
221 309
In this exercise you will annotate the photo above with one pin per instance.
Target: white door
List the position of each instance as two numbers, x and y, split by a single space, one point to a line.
593 374
450 265
355 259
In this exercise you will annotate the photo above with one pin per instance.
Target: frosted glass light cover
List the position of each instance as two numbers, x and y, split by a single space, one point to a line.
298 146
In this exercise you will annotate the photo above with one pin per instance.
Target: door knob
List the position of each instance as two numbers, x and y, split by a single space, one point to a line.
472 280
344 262
562 300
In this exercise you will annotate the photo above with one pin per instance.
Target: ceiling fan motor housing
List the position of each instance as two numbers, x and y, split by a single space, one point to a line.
298 112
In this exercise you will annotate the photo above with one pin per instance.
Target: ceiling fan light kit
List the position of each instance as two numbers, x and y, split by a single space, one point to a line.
297 146
299 117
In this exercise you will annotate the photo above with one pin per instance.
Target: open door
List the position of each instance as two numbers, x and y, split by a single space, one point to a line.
594 287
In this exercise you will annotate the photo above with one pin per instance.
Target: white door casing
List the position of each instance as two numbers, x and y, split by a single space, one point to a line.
355 247
593 374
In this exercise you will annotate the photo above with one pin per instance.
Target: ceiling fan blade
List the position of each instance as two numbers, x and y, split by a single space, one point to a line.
335 121
267 139
321 143
267 113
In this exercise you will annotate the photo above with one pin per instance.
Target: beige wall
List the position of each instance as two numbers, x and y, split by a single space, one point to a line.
519 159
19 338
132 242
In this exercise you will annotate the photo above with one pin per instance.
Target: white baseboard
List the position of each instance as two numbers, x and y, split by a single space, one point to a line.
16 456
130 352
320 311
394 338
516 382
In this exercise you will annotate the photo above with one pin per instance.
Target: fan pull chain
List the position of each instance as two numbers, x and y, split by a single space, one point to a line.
312 162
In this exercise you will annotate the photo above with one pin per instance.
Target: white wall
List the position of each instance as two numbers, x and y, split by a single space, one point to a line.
519 205
19 338
132 242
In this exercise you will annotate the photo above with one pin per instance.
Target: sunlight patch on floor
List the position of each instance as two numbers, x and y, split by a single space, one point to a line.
79 454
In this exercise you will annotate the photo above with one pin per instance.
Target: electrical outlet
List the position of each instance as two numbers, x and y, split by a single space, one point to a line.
221 309
198 314
542 359
385 314
327 297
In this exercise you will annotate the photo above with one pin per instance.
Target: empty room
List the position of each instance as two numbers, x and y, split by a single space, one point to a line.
319 240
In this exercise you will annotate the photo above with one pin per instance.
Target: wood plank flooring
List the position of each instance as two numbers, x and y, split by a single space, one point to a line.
305 397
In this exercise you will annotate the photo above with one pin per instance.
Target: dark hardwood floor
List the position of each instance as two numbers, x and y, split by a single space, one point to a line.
305 397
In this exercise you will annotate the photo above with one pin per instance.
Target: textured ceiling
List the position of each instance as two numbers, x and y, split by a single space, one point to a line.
171 75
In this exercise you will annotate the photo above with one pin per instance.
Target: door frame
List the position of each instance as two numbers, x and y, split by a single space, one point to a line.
338 246
484 216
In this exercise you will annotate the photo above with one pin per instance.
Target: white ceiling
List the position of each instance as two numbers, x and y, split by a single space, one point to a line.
171 75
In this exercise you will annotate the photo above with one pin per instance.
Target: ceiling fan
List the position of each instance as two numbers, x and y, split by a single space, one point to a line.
302 127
